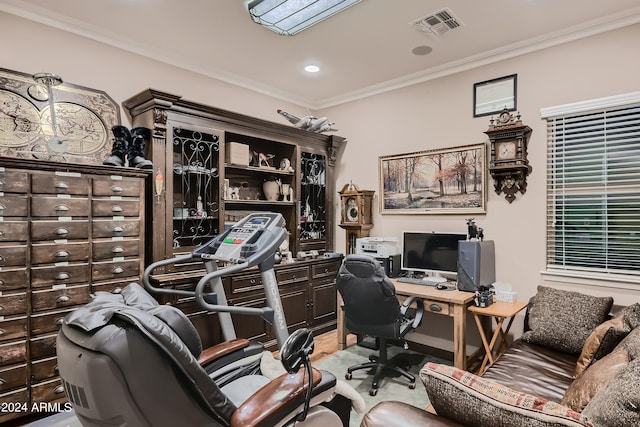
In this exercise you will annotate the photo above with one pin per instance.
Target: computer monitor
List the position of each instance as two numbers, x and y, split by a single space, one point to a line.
431 253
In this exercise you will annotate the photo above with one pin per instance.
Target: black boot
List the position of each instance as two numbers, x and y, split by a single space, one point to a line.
121 143
139 139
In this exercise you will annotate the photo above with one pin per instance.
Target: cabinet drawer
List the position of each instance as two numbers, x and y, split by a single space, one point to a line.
13 181
118 186
13 255
106 270
11 231
241 284
58 206
59 183
112 286
43 347
107 207
13 205
59 274
12 377
437 307
49 321
13 328
59 298
325 269
109 249
292 275
49 391
15 278
49 253
13 352
44 369
59 230
124 228
19 400
11 304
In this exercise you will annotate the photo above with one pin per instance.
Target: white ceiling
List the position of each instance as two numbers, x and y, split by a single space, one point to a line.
364 50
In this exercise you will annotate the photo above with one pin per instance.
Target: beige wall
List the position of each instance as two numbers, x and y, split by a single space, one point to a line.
430 115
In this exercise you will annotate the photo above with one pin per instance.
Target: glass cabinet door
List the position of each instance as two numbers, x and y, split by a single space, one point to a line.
313 206
196 186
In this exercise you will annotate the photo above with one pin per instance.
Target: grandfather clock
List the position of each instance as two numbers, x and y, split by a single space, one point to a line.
356 213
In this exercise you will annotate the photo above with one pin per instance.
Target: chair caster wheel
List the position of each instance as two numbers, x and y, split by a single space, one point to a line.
412 386
348 376
373 392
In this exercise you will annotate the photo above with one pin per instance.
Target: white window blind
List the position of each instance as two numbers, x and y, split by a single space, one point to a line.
593 186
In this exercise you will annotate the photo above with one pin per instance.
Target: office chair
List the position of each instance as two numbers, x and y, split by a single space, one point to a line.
125 360
371 308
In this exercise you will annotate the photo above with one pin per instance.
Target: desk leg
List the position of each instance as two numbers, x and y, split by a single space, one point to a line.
340 329
460 336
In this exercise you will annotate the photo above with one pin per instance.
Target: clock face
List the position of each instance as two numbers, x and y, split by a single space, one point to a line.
506 150
351 210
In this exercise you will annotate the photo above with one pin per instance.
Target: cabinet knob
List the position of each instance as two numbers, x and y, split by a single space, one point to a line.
59 389
61 254
59 321
117 250
435 307
117 231
1 233
2 332
116 209
1 308
62 208
117 189
293 276
1 184
63 298
2 207
61 187
1 260
117 290
117 270
1 282
62 275
62 232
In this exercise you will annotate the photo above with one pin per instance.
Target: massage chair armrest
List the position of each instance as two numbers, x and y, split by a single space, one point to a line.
276 400
217 351
419 309
399 414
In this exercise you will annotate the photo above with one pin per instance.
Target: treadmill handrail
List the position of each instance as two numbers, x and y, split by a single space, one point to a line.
146 276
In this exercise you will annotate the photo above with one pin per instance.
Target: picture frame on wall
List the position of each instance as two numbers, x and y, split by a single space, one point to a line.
493 96
440 181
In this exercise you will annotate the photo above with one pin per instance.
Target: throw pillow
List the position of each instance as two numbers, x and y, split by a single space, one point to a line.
604 338
618 403
471 400
562 320
582 390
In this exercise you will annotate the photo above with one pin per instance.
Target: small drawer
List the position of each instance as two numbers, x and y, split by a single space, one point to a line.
13 278
51 253
292 275
111 208
49 391
13 377
11 205
59 275
13 255
108 270
437 307
11 304
115 228
241 284
13 181
109 249
17 401
49 321
59 183
325 269
42 347
14 231
114 286
118 186
44 369
42 206
59 298
12 328
13 352
59 230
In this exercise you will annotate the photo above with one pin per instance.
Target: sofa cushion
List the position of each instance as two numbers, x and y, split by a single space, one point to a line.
594 378
471 400
563 320
604 338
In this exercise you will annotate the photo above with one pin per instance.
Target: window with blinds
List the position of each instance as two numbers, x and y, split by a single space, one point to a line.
593 186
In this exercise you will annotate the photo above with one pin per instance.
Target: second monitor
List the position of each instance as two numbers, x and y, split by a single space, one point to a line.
431 253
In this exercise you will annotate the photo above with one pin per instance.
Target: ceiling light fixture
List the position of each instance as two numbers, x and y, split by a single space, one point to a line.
289 17
311 68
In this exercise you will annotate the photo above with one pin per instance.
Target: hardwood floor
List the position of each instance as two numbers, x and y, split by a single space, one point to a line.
327 344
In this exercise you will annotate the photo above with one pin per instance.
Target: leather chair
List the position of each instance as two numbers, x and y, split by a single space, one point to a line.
371 308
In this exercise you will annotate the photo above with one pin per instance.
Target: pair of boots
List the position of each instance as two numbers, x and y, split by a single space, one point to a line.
130 144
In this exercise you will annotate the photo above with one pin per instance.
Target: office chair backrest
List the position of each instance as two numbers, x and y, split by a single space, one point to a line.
122 357
369 296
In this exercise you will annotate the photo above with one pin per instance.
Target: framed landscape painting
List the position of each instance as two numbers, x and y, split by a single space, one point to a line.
443 181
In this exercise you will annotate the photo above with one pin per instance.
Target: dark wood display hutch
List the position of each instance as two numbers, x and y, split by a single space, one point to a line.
209 173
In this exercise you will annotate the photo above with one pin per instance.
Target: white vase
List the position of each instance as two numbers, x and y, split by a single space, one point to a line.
271 190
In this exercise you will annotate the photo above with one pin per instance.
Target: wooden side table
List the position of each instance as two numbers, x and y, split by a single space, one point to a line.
500 311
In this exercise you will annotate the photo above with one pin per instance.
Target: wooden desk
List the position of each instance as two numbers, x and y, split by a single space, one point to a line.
449 303
500 311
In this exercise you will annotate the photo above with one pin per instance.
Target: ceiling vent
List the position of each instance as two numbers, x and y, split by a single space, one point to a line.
438 23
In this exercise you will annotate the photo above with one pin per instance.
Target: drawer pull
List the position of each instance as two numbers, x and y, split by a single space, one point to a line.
63 298
326 270
252 281
62 208
2 332
61 187
117 231
62 276
293 276
59 389
117 189
116 209
1 233
435 307
59 321
118 270
117 250
55 369
117 290
62 254
2 260
1 282
62 232
2 209
1 308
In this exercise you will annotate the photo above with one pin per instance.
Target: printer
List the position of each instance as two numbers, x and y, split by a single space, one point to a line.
386 250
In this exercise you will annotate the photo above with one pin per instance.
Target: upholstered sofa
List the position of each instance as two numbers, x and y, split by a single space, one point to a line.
576 364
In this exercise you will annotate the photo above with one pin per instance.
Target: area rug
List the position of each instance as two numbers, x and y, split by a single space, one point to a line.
392 387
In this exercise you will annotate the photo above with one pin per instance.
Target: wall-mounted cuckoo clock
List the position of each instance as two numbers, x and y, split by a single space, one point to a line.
356 213
508 164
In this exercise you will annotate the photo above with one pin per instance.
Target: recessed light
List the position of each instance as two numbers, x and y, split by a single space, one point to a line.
422 50
312 68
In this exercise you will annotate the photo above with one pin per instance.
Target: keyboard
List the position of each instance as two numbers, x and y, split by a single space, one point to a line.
429 281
